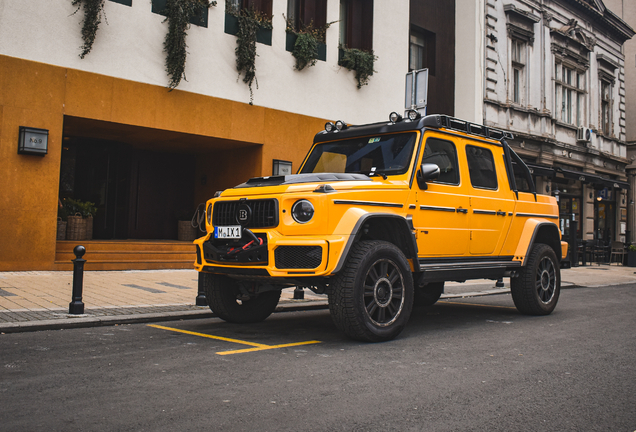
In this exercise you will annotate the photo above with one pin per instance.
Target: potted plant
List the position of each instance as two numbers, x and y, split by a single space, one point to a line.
185 230
80 219
631 256
359 61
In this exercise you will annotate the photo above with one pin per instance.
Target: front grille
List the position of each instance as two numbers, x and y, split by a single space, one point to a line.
264 213
298 257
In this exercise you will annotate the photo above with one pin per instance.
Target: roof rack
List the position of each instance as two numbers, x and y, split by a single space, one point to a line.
440 120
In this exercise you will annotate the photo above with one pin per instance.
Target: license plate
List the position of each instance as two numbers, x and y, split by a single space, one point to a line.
229 232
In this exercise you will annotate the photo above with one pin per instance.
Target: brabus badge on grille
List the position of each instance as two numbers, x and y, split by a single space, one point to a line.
243 214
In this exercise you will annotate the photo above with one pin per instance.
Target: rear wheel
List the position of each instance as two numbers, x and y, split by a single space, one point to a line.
536 290
428 294
228 302
372 297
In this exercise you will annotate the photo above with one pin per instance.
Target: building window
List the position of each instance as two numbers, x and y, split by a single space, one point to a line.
305 13
569 94
356 24
159 7
262 6
518 63
422 50
606 108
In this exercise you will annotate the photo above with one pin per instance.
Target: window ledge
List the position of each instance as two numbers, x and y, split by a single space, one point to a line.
263 35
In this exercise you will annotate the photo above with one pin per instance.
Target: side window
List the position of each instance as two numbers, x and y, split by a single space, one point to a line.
443 154
520 179
481 166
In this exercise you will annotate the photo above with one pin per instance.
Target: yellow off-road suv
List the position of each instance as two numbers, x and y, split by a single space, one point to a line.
378 217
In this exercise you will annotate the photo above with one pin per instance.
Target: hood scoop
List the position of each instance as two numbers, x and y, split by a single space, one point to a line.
302 178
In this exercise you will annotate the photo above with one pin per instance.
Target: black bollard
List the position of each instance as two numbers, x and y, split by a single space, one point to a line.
76 307
201 300
299 294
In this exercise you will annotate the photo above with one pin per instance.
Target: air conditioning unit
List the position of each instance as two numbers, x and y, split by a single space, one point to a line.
583 134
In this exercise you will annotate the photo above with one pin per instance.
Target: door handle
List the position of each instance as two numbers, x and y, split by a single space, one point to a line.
501 213
462 210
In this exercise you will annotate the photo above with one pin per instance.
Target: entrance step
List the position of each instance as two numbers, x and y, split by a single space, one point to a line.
127 254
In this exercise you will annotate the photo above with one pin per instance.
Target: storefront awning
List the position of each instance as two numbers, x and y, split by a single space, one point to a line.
541 170
583 177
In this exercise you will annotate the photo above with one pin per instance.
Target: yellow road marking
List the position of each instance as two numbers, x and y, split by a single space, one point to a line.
257 346
477 304
210 336
267 347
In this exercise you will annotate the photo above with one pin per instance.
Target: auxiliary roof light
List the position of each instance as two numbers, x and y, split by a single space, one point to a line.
395 117
413 115
340 125
330 127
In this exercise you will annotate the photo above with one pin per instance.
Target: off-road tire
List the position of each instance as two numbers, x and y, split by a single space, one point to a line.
536 290
428 294
379 312
223 294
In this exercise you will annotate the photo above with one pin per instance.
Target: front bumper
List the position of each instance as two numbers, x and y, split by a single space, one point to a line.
279 256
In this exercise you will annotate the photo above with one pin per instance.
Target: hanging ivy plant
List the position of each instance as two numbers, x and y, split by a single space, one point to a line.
178 14
249 22
93 10
361 62
306 46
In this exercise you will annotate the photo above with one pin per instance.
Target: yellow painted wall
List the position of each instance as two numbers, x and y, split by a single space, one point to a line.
39 95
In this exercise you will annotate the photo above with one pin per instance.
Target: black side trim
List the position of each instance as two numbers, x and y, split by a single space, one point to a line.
236 271
369 203
486 212
536 215
444 209
477 259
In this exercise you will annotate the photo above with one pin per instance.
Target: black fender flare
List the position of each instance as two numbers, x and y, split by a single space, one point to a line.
407 244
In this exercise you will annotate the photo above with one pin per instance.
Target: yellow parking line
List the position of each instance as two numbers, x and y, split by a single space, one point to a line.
257 346
210 336
477 304
267 347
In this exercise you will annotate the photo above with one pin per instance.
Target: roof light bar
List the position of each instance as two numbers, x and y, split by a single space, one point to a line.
395 117
340 125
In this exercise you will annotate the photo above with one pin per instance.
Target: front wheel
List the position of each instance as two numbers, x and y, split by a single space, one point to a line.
428 294
372 297
226 300
536 290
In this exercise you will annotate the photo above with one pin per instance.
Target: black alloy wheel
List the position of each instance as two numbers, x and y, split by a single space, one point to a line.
535 291
371 298
226 300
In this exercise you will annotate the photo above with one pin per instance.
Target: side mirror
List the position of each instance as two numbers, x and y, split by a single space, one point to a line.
427 172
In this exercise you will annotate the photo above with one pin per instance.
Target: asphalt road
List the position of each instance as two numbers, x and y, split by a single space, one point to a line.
474 366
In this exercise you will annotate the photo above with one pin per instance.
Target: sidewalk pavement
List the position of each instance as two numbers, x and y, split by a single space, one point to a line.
39 300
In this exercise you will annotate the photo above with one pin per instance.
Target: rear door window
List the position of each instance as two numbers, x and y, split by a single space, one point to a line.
481 167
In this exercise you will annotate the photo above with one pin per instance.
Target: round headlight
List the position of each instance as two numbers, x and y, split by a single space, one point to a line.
329 126
302 211
208 213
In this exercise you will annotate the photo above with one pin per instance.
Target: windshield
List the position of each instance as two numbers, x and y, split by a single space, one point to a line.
383 154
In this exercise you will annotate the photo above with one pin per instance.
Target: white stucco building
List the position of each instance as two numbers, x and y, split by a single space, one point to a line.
553 73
